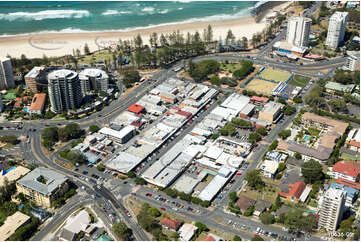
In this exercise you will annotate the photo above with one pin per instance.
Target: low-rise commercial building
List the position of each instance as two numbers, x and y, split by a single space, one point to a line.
187 231
43 186
269 168
121 136
333 87
271 112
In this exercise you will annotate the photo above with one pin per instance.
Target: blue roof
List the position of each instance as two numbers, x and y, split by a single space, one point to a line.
351 192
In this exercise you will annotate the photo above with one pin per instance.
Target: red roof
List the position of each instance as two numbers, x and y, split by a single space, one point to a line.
135 108
348 183
170 223
354 143
184 113
259 99
209 238
295 190
350 168
38 102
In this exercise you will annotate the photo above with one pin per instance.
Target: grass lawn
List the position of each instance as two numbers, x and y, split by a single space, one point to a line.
10 95
231 67
275 75
346 156
97 56
314 132
299 81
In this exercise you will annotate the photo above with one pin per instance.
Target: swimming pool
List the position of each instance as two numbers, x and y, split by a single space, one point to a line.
307 138
26 109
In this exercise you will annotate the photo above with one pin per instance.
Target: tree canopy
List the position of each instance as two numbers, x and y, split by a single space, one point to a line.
254 179
122 231
312 171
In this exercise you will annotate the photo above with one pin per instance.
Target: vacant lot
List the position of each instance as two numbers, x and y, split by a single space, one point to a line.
299 81
261 87
275 75
266 194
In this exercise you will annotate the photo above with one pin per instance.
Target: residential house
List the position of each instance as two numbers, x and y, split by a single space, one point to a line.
261 206
170 223
244 203
293 192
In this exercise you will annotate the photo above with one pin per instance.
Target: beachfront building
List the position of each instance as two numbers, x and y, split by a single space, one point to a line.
64 90
298 31
34 78
93 79
43 186
331 206
6 74
336 29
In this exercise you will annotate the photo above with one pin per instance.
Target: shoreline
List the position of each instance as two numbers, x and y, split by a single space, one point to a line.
35 45
58 44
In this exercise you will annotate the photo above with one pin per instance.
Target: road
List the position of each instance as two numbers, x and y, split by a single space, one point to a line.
33 153
61 215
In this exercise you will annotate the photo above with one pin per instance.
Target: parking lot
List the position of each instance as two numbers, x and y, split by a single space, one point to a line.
90 170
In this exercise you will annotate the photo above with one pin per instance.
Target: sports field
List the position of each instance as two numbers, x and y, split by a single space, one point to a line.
261 86
275 75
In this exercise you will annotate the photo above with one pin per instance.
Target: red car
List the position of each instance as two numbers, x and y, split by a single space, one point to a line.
162 209
148 194
239 174
256 235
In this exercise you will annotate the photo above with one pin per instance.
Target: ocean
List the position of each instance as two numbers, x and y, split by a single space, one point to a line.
68 17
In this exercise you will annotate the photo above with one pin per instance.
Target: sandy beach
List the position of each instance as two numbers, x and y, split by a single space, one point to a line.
58 44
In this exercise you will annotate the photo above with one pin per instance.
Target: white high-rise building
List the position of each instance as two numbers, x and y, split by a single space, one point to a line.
336 29
353 61
331 206
93 79
64 90
6 74
298 31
